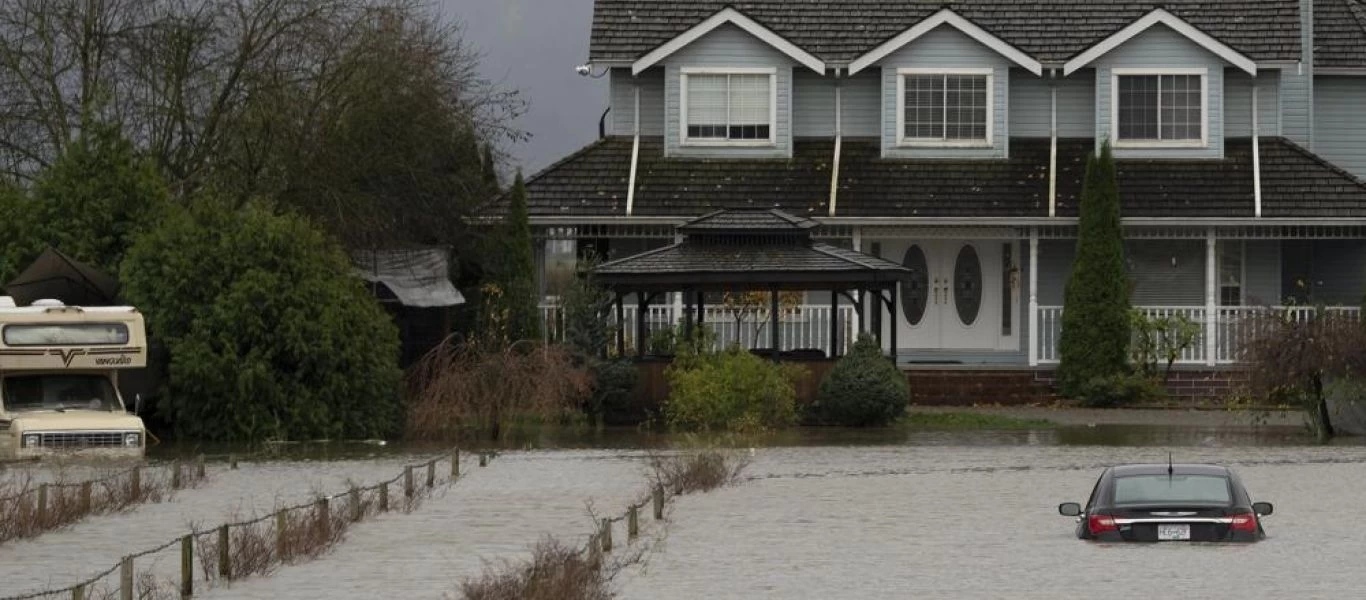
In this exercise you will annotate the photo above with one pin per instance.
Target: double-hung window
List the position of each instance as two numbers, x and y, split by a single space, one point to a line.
1166 108
944 108
729 106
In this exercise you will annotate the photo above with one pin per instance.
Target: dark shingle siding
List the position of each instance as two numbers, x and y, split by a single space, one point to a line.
1050 31
1295 183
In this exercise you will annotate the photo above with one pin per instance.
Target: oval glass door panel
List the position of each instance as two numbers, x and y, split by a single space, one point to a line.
967 284
915 291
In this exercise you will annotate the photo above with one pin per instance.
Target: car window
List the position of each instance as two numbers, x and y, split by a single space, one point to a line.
1156 489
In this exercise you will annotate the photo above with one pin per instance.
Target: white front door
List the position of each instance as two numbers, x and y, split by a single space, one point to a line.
953 299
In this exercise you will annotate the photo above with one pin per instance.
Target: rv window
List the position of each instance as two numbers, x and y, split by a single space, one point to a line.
67 334
58 392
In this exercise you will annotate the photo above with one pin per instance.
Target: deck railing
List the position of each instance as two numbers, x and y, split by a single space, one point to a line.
1233 324
806 326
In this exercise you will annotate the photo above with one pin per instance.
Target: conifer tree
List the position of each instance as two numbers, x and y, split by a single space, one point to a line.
518 276
1095 319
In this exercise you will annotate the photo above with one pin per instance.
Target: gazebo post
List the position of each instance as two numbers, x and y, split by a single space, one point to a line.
834 323
642 304
878 303
891 318
701 308
773 321
621 326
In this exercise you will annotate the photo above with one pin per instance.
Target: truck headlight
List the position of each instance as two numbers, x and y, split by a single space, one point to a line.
132 440
32 440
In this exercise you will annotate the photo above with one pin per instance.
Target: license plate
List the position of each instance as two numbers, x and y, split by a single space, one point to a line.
1173 531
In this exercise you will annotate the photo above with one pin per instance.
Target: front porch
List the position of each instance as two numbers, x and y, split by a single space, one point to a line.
991 296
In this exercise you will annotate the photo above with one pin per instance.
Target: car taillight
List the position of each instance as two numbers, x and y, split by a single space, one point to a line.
1243 522
1101 523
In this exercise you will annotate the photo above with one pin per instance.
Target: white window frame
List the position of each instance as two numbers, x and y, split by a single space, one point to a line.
684 140
905 142
1203 142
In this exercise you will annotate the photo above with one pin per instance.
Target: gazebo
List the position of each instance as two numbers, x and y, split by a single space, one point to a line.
751 250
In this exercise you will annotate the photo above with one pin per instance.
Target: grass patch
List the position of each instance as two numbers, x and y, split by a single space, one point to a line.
959 421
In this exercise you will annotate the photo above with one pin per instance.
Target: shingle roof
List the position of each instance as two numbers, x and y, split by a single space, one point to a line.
732 221
1295 183
1049 30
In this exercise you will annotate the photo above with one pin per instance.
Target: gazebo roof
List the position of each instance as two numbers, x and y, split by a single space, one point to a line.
738 249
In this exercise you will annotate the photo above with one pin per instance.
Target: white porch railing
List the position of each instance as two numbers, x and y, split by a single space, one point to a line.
1233 325
805 327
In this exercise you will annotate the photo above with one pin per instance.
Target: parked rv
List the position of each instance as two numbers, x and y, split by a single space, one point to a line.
59 371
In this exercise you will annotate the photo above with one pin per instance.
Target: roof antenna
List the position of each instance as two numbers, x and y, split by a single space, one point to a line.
1169 464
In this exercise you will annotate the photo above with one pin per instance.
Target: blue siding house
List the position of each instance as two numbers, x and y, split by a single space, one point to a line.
952 136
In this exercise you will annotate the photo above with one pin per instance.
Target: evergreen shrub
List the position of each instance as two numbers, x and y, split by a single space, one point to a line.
730 391
864 389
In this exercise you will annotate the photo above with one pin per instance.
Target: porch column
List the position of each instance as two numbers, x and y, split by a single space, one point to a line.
834 323
1211 298
858 293
1033 296
773 322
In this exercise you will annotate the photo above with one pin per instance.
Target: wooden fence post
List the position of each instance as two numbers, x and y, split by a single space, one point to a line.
356 512
483 459
126 578
175 476
606 534
408 482
78 592
282 535
659 501
42 507
455 464
224 559
232 461
384 497
86 501
135 483
187 566
632 523
431 473
199 466
324 515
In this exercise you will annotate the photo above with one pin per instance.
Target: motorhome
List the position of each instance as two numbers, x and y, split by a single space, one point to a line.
59 370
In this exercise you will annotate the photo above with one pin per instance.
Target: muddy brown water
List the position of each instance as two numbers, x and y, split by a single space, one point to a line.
822 514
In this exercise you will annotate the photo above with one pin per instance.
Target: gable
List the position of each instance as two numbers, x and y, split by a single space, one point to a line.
938 23
1175 33
728 17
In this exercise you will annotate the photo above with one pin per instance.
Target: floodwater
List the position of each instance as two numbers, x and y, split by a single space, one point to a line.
825 514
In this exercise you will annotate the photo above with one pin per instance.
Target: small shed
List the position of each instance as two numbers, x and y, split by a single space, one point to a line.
414 285
752 250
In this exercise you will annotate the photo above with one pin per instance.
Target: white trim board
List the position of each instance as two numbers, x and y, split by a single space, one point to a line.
1163 17
946 16
733 17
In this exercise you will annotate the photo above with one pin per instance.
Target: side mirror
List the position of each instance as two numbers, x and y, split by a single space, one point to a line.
1069 509
1263 508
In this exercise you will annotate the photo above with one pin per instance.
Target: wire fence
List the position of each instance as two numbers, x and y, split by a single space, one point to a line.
36 509
258 546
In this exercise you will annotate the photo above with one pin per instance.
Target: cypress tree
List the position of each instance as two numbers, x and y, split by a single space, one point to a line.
490 172
1095 319
519 278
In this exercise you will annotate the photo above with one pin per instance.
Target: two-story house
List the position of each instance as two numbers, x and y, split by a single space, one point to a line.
952 137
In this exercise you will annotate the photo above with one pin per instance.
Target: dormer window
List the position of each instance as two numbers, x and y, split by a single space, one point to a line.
944 107
1159 108
729 106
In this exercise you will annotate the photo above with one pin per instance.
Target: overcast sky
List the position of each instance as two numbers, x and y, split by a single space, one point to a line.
533 46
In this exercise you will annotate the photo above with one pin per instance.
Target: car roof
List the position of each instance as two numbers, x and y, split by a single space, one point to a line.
1177 469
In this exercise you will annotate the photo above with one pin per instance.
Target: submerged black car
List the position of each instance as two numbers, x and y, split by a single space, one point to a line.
1165 502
